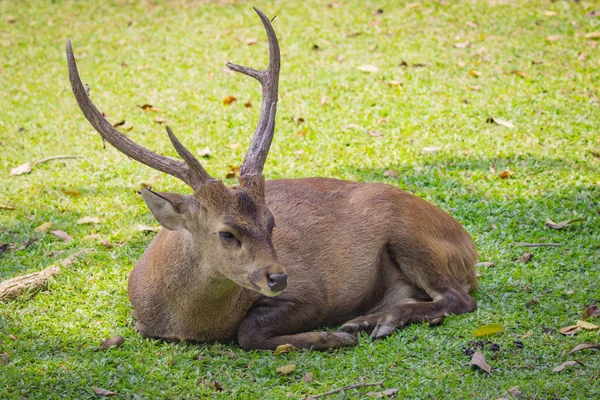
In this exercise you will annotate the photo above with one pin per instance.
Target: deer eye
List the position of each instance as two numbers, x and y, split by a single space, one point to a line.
226 235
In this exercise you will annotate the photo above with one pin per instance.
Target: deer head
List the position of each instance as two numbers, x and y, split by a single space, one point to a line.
229 228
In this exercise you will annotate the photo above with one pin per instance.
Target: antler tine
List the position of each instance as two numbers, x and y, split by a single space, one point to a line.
269 79
191 172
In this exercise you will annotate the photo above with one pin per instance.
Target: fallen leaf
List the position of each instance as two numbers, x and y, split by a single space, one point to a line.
205 152
390 392
489 329
218 386
390 173
500 121
106 243
93 236
383 120
592 14
375 133
103 392
593 35
12 337
117 124
462 45
323 100
527 334
308 377
471 24
115 341
10 19
148 107
570 330
251 42
564 365
233 171
248 104
146 228
394 83
228 100
7 207
584 346
582 56
88 220
525 257
62 235
474 73
560 225
420 65
21 169
507 173
233 146
5 359
537 62
431 150
377 395
43 227
351 126
286 369
58 253
72 192
475 88
368 68
160 120
553 38
590 311
27 243
550 13
587 325
478 360
485 264
299 120
283 348
522 74
353 34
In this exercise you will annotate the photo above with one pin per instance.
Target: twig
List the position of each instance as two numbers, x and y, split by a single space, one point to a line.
538 244
43 160
349 387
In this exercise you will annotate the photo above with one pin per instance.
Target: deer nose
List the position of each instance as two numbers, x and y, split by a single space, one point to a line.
277 282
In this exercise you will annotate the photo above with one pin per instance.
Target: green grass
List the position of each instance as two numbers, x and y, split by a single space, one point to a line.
171 55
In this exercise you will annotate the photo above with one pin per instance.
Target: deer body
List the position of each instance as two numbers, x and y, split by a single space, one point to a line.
267 262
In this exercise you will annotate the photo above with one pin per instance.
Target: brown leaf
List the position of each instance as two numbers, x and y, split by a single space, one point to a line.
507 173
570 330
553 38
286 369
485 264
283 348
353 34
218 386
474 73
462 45
115 341
103 392
248 104
228 100
233 146
375 133
390 173
394 83
106 243
368 68
560 225
88 220
10 19
522 74
587 325
21 169
62 235
590 311
27 243
420 65
6 207
500 121
5 359
12 337
117 124
584 346
564 365
390 392
160 120
383 120
527 334
43 227
478 360
308 377
72 192
525 257
205 152
302 133
233 171
146 228
148 107
593 35
471 24
251 42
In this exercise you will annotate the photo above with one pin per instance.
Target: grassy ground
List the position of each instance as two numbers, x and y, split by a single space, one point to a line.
171 55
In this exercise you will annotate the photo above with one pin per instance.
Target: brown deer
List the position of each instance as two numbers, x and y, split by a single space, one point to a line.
367 255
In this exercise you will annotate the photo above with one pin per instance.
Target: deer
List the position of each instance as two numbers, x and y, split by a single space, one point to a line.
267 262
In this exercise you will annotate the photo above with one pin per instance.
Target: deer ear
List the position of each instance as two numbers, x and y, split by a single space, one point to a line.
167 208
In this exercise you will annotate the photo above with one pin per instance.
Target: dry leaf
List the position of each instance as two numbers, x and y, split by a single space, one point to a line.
251 42
106 243
7 207
489 329
507 173
308 377
228 100
233 146
323 100
302 133
12 337
553 38
522 74
590 311
115 341
563 365
560 225
160 120
233 170
570 330
593 35
27 243
248 104
205 152
394 83
431 150
390 173
117 124
475 88
474 73
88 220
43 227
500 121
383 120
218 386
485 264
72 192
368 68
286 369
478 360
5 359
148 107
103 392
283 348
527 334
471 24
146 228
21 169
351 126
550 13
353 34
584 346
62 235
375 133
525 257
462 45
587 325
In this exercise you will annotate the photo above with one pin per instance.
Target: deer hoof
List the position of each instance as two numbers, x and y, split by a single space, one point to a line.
347 339
348 328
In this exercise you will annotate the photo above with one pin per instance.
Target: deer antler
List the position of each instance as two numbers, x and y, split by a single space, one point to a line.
191 172
269 79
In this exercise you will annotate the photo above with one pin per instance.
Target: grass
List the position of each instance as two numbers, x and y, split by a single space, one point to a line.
171 54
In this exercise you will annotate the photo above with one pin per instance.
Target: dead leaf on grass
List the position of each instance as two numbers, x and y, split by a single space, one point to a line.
71 192
160 120
587 325
394 83
590 311
62 235
88 220
119 123
525 257
527 334
251 42
485 264
43 227
7 207
233 171
478 360
390 173
375 133
218 386
302 133
471 24
228 100
5 359
560 225
564 365
489 329
431 150
552 38
148 107
115 341
248 104
570 330
308 377
233 146
286 369
462 45
103 392
550 13
583 346
474 73
500 121
592 14
593 35
21 169
368 68
507 173
10 19
522 74
283 348
27 243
